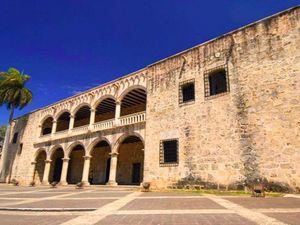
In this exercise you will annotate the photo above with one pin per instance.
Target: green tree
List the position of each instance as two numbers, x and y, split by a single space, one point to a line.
14 95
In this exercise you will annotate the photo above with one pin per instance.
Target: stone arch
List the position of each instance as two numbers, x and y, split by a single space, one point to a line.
82 114
99 151
133 100
71 146
95 142
123 137
61 112
46 125
63 120
76 154
130 88
77 107
130 164
105 96
40 158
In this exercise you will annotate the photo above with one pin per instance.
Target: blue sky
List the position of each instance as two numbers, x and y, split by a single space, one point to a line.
68 46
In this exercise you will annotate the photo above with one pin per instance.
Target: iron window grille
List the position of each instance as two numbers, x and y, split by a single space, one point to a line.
216 81
187 91
169 152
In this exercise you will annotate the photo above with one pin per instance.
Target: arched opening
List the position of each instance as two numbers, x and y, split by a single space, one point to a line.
100 163
56 165
82 116
63 122
40 167
47 126
105 110
75 165
130 168
134 102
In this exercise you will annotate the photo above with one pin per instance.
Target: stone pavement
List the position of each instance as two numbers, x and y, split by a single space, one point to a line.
123 205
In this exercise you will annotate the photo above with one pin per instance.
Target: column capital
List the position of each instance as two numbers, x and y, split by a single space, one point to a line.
54 121
48 161
66 159
72 116
93 110
114 154
86 157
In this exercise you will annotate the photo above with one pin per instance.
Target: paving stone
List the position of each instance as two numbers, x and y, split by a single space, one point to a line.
5 201
98 195
278 202
150 194
173 203
31 195
289 218
190 219
33 220
66 203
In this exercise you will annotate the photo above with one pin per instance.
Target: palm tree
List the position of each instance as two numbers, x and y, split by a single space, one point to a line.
14 95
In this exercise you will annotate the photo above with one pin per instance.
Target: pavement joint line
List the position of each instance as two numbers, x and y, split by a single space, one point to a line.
39 199
47 209
173 211
277 210
168 197
249 214
99 214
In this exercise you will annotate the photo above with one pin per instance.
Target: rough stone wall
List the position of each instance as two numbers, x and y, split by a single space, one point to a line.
250 132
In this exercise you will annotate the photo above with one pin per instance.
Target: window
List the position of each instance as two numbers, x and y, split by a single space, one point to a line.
15 138
169 152
187 91
216 82
20 149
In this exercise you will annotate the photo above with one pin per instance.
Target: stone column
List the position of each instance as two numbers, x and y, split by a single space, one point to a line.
92 118
86 170
118 113
54 126
32 170
71 125
113 169
46 172
64 171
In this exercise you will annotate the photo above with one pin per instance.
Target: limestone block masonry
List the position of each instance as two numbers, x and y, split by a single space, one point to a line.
250 130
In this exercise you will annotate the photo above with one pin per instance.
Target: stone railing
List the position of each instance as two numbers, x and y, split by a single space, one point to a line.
133 118
60 134
103 125
80 130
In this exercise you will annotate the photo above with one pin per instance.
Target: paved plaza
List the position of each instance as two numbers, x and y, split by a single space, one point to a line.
126 205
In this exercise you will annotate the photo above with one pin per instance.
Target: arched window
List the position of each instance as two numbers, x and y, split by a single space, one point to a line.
82 116
63 122
47 126
134 102
105 110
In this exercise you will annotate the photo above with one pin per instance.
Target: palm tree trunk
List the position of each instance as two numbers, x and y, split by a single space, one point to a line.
4 157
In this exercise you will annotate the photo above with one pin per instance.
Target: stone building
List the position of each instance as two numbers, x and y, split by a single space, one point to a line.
223 112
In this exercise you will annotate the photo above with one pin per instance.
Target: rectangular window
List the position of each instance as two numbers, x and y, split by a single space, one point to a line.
15 138
216 81
187 91
169 152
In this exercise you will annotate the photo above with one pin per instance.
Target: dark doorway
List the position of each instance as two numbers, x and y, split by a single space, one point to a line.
57 170
136 173
107 170
56 165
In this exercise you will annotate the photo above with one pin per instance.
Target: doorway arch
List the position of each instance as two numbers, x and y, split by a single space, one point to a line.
130 167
